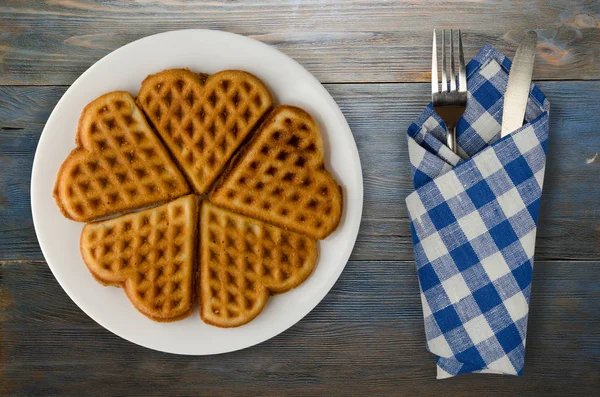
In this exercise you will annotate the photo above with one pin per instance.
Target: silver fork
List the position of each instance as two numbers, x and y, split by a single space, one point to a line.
451 101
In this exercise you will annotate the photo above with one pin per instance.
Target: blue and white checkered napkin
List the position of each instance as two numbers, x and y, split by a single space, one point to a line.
473 223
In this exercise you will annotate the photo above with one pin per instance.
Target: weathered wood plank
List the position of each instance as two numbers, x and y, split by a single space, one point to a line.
53 42
378 115
365 338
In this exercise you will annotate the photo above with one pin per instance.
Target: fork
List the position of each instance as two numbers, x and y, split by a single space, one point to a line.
451 101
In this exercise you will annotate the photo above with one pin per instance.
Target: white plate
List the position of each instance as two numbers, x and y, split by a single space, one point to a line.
124 69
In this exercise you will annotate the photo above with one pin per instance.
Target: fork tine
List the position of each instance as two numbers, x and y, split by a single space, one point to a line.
435 85
452 67
444 68
462 71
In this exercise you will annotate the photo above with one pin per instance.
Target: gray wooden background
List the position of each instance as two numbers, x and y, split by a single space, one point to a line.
366 337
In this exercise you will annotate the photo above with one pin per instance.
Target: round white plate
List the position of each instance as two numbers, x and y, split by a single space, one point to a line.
124 69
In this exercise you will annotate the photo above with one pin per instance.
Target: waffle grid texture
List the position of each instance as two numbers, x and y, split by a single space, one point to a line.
243 261
203 120
261 243
151 254
280 177
119 163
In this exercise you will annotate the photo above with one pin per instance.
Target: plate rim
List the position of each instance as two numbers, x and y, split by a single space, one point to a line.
358 197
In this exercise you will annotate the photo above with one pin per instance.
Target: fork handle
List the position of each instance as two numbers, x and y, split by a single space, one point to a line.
451 139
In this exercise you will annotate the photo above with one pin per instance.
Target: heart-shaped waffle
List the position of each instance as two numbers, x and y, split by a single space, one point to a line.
203 122
279 177
243 261
151 254
119 163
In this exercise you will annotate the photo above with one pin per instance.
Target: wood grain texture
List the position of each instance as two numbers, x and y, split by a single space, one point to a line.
365 338
379 115
54 41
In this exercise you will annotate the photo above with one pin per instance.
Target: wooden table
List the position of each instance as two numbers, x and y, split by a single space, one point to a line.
366 337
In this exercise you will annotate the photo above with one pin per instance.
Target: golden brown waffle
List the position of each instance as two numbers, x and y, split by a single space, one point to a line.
119 163
243 261
203 123
279 177
151 254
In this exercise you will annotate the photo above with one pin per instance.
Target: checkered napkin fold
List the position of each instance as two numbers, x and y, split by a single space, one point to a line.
473 220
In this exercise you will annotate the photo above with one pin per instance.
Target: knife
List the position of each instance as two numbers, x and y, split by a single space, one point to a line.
519 83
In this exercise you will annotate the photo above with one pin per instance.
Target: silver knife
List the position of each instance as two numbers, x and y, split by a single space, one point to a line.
519 83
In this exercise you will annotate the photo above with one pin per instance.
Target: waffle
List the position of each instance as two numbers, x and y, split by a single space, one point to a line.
151 254
243 261
279 177
203 122
119 163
